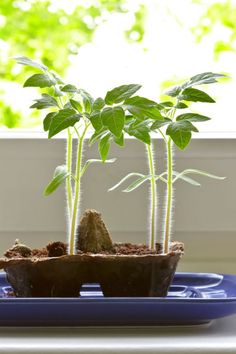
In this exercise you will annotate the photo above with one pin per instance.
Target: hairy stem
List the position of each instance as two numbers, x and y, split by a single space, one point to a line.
76 200
168 198
152 239
69 168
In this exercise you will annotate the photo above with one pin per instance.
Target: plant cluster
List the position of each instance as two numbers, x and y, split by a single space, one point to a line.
108 119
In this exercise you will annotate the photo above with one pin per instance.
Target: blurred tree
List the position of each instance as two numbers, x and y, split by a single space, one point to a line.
51 31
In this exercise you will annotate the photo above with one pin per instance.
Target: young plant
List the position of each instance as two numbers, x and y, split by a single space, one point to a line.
179 130
74 110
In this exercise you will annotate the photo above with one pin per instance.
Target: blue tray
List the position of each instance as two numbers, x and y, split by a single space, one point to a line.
194 298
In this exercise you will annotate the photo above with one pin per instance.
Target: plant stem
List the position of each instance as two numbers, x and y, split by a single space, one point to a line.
152 239
77 192
168 198
69 168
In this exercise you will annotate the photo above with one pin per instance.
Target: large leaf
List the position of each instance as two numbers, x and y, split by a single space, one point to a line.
114 119
195 95
60 175
45 101
47 120
142 107
180 133
40 80
202 79
192 117
133 174
104 147
120 93
196 172
76 105
63 119
92 161
29 62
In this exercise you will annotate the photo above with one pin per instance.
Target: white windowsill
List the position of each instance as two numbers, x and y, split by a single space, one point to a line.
218 337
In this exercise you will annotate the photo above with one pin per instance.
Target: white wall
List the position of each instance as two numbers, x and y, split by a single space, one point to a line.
205 217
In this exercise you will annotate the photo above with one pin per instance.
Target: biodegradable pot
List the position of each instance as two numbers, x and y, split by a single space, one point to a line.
118 275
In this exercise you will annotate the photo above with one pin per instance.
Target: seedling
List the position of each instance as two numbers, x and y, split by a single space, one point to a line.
178 130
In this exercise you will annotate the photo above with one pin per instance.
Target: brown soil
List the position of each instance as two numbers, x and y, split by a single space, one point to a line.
57 249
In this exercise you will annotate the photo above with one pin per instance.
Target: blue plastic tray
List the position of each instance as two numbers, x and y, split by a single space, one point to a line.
194 298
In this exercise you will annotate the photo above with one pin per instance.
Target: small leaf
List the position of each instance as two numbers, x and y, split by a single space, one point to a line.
96 120
60 175
181 105
98 104
173 91
119 141
76 105
28 62
63 119
141 132
91 161
159 123
125 179
40 80
47 120
98 135
45 101
114 119
104 147
180 133
142 107
69 88
194 95
57 78
167 104
192 117
203 79
87 100
120 93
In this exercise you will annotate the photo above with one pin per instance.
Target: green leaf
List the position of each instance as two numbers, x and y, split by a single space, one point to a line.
47 120
87 100
181 105
125 179
57 77
104 147
98 104
140 132
159 123
197 172
69 88
114 119
28 62
174 91
40 80
194 95
120 93
192 117
76 105
180 133
142 107
98 135
63 119
91 161
45 101
96 120
134 185
166 104
120 141
203 79
60 175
